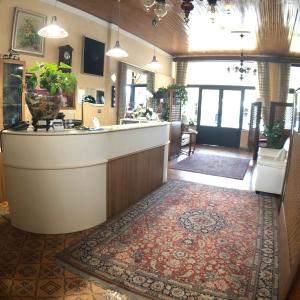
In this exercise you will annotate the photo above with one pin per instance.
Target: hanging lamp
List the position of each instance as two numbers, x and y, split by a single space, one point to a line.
117 51
154 64
53 30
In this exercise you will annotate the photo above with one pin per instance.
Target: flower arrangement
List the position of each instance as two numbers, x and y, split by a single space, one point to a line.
144 112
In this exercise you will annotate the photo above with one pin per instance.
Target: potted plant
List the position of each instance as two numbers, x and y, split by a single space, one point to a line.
274 132
162 98
45 86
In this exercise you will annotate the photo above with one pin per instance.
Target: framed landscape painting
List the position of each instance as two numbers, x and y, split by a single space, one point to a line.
25 38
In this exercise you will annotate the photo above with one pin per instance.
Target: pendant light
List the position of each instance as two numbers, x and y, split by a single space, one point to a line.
117 51
148 4
161 9
53 30
154 64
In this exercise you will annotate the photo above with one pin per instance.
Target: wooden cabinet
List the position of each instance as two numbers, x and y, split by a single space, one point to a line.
132 177
12 97
12 102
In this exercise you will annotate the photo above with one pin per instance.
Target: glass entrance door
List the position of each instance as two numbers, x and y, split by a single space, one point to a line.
220 121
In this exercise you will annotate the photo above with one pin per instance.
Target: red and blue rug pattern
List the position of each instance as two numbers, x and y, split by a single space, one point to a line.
187 241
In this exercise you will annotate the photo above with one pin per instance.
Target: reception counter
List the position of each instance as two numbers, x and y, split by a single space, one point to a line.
61 182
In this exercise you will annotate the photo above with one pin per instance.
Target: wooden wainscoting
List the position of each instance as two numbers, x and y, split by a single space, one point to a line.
290 222
132 177
3 197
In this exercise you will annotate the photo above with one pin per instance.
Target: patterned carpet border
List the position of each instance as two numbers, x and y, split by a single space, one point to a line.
264 281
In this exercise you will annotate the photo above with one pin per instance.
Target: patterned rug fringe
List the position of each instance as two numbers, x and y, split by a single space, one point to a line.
114 292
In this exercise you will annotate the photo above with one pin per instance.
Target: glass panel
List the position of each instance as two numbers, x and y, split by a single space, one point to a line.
209 108
12 94
250 97
231 107
190 109
140 97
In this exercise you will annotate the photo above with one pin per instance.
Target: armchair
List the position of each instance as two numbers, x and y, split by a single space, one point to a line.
270 169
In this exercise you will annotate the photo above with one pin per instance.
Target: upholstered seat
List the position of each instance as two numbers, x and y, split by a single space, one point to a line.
270 169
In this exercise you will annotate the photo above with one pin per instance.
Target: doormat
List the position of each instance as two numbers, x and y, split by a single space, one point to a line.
186 241
223 166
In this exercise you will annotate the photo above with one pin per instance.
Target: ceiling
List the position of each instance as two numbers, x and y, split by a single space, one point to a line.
274 26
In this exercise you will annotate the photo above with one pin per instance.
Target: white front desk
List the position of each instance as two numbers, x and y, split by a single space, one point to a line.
56 182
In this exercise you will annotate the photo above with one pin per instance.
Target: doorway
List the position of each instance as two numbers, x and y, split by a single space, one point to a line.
220 113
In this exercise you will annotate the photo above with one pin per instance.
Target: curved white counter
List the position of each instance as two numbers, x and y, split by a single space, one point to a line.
56 181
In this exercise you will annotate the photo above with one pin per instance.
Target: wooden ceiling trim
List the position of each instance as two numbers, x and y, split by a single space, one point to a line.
227 57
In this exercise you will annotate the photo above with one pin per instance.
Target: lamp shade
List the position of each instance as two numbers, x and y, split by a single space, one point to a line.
117 51
154 65
53 30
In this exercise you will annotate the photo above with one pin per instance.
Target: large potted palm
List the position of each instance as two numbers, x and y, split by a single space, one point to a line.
44 88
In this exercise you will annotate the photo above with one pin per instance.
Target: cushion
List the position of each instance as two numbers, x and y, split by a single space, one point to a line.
281 156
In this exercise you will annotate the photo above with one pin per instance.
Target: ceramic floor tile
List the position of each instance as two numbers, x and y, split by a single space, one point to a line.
50 288
51 271
24 288
27 271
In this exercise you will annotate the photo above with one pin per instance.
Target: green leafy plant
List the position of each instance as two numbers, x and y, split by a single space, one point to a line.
162 96
51 77
274 133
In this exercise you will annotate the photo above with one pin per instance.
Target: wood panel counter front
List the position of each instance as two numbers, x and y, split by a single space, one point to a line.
60 182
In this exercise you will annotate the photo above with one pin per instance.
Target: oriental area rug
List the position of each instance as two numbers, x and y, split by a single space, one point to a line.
223 166
186 241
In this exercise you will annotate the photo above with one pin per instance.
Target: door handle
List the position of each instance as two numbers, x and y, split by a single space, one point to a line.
216 118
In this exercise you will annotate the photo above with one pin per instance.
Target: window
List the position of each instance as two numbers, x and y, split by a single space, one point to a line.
136 89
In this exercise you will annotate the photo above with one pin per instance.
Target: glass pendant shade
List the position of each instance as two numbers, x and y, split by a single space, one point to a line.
53 30
154 64
160 10
148 4
117 51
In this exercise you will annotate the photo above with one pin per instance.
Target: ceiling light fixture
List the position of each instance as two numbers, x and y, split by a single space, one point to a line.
241 68
117 51
154 64
53 30
160 9
187 6
148 4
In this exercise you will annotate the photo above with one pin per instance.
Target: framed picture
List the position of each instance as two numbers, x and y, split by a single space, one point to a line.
25 38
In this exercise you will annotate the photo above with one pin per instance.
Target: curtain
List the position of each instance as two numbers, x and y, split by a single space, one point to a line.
264 89
121 100
284 81
150 88
181 71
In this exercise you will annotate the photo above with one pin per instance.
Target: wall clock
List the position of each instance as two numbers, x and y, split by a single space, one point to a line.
65 55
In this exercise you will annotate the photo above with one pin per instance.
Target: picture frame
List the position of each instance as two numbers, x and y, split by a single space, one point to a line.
25 38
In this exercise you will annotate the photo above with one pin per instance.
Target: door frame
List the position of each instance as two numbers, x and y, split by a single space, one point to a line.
221 89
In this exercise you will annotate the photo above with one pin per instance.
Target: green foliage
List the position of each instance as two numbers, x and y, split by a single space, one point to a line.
274 132
162 95
52 78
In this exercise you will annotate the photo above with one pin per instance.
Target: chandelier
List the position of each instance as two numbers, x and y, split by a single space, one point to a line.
242 69
161 7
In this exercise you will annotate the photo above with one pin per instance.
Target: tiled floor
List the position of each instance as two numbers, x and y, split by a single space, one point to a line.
27 268
28 271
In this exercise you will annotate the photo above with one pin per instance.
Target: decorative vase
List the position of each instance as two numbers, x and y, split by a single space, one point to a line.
42 106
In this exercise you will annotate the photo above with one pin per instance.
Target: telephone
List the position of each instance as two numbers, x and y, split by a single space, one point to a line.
22 125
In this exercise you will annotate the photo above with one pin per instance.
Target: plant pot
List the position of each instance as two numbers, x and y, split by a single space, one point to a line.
43 106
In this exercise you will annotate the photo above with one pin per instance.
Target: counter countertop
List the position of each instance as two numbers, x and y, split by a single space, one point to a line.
105 129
